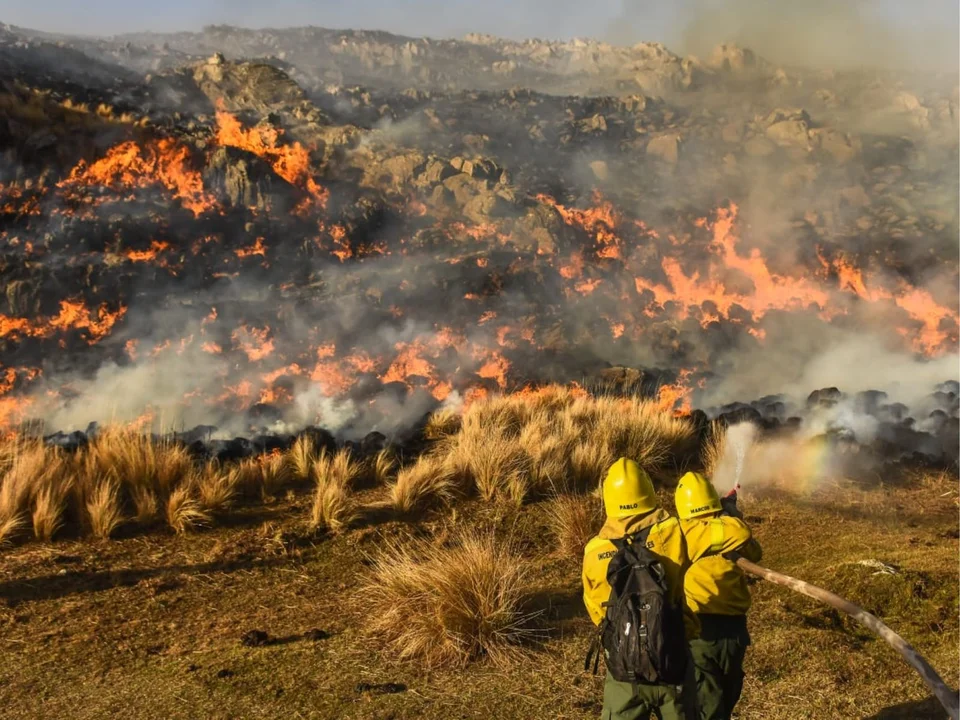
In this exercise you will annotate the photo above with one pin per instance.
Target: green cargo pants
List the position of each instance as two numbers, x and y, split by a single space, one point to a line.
718 664
626 701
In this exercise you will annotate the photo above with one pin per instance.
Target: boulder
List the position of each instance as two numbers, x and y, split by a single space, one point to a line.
839 146
665 148
779 115
242 179
633 103
593 124
731 58
403 168
251 86
485 206
436 171
463 187
790 133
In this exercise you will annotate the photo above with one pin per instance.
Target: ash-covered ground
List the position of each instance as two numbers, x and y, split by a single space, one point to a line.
265 230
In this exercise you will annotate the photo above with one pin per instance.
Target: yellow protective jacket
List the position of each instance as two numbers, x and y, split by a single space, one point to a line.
665 541
712 583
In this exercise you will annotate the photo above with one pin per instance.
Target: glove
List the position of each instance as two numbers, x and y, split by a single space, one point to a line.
728 503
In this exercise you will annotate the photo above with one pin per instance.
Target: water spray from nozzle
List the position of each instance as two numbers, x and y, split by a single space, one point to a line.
738 439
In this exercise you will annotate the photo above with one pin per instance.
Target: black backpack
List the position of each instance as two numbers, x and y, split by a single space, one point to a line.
642 634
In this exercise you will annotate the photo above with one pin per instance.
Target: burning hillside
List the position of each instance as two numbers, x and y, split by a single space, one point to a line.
214 243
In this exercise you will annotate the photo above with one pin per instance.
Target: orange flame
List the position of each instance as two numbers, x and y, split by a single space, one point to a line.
254 342
158 162
156 247
73 315
256 249
291 162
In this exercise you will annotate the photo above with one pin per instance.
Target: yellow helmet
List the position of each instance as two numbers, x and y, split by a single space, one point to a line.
628 490
696 496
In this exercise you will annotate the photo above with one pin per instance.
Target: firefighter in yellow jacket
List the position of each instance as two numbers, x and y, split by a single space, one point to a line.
716 590
631 505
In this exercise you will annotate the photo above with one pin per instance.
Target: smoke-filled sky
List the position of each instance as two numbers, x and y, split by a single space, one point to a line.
922 33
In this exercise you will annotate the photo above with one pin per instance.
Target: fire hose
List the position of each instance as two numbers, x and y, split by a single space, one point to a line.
947 697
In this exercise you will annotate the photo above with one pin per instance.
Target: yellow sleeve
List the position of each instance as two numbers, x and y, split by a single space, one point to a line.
596 590
691 623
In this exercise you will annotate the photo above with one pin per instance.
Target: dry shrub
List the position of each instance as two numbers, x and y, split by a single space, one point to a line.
103 506
249 472
516 487
445 606
173 466
428 481
574 519
184 512
343 469
503 414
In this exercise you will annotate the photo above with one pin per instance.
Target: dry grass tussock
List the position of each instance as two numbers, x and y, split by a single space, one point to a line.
301 455
137 460
441 424
48 508
35 482
714 448
217 487
333 507
103 506
449 605
428 481
276 474
123 475
519 447
382 467
508 449
574 519
184 511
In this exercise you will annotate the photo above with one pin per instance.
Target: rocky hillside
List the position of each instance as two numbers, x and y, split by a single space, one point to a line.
347 226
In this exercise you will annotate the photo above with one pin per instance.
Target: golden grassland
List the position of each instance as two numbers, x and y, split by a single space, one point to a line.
510 449
132 572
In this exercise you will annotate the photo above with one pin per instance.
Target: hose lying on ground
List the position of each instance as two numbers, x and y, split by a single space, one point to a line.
947 697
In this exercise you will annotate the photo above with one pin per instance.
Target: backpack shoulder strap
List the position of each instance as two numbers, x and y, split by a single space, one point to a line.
593 653
640 536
